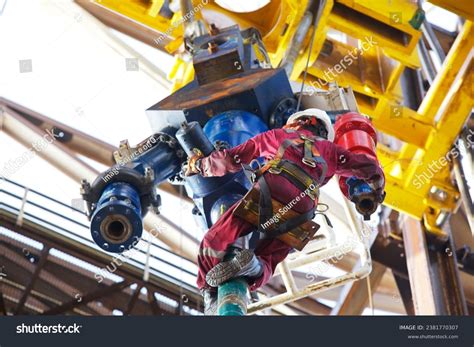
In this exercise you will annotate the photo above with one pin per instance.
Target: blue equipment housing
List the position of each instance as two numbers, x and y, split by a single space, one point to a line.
234 127
214 195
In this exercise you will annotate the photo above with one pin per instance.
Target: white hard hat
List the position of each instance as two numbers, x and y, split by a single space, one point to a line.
318 114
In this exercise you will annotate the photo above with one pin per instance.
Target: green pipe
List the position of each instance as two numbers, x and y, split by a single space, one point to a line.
232 298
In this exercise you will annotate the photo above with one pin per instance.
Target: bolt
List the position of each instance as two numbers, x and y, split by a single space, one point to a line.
212 47
213 29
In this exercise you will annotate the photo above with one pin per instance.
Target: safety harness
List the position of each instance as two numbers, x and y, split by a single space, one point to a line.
294 174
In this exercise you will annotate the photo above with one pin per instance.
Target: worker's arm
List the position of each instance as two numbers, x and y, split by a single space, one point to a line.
219 163
360 166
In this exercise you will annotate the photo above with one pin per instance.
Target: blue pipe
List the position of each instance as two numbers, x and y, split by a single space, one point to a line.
162 159
116 222
232 298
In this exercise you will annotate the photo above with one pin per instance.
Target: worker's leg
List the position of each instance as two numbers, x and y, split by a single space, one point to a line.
217 240
257 267
270 252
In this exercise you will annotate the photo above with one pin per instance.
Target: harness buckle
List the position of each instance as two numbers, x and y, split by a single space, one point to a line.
303 137
313 195
274 170
309 162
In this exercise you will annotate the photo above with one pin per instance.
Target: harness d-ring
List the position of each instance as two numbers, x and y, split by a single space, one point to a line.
323 210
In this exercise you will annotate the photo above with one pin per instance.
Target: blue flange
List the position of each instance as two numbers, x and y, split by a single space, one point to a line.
116 224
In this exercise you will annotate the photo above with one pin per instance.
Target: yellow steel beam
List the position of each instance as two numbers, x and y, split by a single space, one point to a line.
428 173
388 21
449 104
401 122
146 13
453 65
463 8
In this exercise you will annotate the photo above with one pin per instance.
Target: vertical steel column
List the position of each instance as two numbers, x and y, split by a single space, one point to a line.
449 286
464 188
419 271
432 39
433 273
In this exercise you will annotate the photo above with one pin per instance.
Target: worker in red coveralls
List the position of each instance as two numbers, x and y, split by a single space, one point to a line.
257 266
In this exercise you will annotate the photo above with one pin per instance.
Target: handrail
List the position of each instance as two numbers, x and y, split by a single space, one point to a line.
69 207
74 235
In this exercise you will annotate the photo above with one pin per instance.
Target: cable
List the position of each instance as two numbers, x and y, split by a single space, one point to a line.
181 295
322 4
369 290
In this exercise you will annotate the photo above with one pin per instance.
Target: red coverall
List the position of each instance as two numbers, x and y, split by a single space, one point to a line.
229 227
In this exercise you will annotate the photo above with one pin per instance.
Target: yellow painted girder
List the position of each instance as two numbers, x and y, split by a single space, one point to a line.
353 67
453 65
440 141
279 20
401 122
146 14
387 21
449 104
463 8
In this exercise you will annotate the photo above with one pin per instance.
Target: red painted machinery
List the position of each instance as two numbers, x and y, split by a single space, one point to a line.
356 133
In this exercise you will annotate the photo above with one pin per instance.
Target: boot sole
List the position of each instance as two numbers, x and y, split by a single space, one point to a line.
224 271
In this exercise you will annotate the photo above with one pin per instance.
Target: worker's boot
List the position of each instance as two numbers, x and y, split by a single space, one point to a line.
210 302
243 264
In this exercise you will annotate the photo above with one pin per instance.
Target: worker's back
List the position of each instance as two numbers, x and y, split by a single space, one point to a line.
283 190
